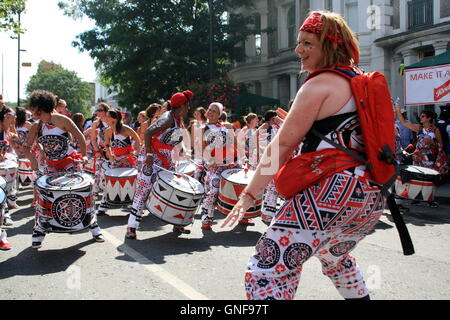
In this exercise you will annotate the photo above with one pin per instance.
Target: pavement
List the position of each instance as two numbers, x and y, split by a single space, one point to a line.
442 195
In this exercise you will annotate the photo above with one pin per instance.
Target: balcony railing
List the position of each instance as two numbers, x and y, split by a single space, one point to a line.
420 14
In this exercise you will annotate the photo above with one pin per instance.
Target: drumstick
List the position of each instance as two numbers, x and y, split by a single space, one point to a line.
197 164
177 174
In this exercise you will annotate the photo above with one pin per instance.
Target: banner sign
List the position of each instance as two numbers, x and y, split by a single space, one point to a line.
429 85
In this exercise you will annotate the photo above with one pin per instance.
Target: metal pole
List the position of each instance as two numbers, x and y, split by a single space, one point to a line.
210 40
18 66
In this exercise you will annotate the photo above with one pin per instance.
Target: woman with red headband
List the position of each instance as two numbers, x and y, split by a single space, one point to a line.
160 139
328 219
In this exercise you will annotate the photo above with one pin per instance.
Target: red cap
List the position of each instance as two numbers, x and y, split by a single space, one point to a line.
180 98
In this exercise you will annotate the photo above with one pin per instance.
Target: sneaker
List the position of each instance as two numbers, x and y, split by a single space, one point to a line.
5 245
7 222
433 204
36 244
246 222
131 233
179 229
99 238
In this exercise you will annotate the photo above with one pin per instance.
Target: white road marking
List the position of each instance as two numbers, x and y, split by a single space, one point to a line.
152 267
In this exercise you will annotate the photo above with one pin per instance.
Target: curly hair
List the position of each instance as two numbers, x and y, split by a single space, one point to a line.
42 100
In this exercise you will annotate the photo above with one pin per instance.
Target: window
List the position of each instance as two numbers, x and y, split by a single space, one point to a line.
445 9
351 14
257 25
396 14
291 27
328 5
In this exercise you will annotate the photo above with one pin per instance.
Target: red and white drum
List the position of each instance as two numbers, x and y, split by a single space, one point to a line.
8 170
175 198
186 168
416 183
66 202
120 185
232 183
24 172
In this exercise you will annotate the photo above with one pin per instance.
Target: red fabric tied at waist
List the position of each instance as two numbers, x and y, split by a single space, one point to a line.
158 145
65 162
127 152
302 172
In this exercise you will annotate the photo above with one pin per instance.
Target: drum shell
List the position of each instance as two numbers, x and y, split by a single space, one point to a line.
187 168
79 199
416 184
24 172
120 189
172 205
8 170
90 166
229 192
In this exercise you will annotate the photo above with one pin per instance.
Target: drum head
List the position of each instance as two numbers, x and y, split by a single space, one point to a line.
3 183
408 173
121 172
62 182
182 183
8 164
2 196
106 166
238 176
186 167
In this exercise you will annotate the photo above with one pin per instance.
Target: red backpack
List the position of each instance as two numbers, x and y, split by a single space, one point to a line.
377 120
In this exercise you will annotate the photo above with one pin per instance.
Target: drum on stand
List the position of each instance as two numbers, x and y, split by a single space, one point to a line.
24 172
175 198
416 183
120 185
65 202
232 183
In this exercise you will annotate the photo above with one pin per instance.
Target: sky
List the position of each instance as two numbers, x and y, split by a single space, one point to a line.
48 36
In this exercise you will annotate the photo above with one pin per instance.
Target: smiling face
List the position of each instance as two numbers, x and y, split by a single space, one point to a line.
309 50
213 114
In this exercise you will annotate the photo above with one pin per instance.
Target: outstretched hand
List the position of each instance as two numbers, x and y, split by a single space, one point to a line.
238 211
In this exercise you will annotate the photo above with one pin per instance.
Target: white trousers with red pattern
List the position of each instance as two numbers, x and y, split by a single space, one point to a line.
325 221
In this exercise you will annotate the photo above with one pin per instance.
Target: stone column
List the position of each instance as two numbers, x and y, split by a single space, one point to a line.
275 89
440 47
410 57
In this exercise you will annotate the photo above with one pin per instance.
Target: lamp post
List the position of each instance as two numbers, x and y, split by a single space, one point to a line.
18 66
210 40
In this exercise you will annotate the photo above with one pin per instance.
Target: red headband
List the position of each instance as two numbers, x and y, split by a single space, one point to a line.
180 98
314 24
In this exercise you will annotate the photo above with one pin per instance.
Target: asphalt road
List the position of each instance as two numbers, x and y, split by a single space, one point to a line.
208 264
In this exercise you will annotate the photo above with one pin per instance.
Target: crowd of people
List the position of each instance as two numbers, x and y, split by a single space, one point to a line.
325 220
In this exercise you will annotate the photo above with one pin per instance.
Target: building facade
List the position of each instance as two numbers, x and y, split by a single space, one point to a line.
390 32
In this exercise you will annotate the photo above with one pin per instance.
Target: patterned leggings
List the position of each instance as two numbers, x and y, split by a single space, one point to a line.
144 184
326 220
212 184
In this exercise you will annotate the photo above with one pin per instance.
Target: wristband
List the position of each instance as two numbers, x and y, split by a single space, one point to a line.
246 193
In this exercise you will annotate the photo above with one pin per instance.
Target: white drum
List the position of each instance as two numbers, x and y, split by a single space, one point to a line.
24 172
175 198
416 183
232 183
187 168
66 202
8 170
120 185
2 190
90 166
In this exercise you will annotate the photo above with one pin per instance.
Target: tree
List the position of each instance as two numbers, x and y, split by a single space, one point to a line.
65 84
9 11
150 49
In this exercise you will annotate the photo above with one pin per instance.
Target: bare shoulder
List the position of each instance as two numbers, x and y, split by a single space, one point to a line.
326 81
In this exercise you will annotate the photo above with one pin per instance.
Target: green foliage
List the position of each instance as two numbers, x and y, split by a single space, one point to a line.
151 49
65 84
9 10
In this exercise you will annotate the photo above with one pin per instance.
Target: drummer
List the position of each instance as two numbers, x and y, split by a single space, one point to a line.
53 132
160 140
97 138
119 149
266 134
151 114
8 144
220 154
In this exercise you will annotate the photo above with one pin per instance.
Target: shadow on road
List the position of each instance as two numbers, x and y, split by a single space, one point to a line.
31 262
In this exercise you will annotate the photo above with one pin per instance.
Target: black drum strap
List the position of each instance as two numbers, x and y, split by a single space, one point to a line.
405 239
